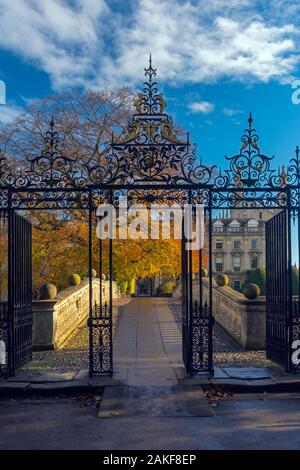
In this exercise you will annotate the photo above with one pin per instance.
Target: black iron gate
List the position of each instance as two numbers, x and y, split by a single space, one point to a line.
16 292
101 311
279 289
197 317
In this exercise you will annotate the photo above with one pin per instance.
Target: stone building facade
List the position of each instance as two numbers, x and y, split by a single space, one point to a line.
238 243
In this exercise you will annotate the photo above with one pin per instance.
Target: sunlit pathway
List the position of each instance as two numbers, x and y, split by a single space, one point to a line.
148 344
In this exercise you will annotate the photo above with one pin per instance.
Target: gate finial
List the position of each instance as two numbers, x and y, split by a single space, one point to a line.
150 71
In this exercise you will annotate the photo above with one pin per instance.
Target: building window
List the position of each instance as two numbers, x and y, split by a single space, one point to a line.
254 262
236 263
234 226
219 265
252 225
235 229
218 226
254 244
237 285
219 244
236 244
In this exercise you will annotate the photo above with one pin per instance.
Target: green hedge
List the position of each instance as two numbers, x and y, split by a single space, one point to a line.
259 277
131 287
167 287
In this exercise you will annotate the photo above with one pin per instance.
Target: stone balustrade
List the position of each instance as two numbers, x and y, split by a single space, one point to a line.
243 319
56 321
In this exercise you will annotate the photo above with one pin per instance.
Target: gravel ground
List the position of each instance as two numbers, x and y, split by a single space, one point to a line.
74 355
227 352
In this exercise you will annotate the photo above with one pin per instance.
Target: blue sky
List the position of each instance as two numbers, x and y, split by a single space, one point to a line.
217 60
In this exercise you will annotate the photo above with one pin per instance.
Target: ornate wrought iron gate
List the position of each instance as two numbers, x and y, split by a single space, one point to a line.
149 162
279 289
16 291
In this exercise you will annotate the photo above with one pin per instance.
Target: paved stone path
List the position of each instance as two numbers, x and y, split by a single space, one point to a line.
148 344
147 358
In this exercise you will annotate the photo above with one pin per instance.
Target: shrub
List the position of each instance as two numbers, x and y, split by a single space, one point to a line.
222 280
123 286
48 291
74 280
251 291
258 277
167 287
131 287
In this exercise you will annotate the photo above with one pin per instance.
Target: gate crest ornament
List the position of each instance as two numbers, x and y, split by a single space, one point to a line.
250 169
150 149
52 168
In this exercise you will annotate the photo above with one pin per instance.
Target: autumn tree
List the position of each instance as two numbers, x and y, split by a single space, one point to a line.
85 122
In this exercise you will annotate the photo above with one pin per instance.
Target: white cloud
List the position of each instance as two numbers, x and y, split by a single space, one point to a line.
88 42
231 112
60 39
204 107
8 113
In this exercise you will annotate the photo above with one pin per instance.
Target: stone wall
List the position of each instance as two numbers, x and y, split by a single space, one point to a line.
55 321
243 319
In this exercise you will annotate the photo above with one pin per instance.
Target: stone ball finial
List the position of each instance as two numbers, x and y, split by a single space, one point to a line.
204 272
74 280
222 280
251 291
48 291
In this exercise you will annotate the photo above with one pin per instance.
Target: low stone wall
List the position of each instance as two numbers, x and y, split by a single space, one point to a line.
55 321
243 319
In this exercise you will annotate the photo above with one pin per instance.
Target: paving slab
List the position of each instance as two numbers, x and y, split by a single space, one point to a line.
241 385
53 387
103 382
23 376
53 376
219 373
286 379
82 374
14 386
247 373
194 381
